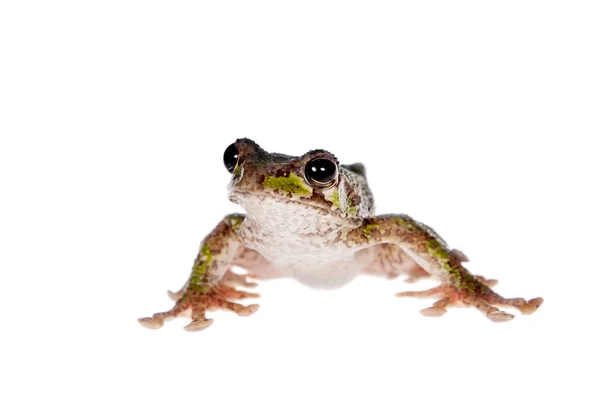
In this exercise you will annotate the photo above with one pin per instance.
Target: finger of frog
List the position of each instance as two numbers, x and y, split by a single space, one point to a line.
527 307
198 315
239 309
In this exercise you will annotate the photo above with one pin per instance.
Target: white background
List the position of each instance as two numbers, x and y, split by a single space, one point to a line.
477 118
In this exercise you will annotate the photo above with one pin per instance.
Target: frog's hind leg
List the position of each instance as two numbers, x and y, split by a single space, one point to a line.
256 265
415 273
390 261
235 279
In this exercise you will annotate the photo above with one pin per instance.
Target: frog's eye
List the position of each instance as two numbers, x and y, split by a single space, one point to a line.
230 157
321 172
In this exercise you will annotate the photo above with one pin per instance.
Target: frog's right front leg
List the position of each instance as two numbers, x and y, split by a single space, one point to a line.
205 289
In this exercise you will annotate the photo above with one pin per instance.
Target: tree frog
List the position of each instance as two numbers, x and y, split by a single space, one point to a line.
313 219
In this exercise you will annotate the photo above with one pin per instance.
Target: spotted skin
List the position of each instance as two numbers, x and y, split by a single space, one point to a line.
322 231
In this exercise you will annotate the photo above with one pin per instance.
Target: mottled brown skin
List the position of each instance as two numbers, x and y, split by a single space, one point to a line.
458 284
323 234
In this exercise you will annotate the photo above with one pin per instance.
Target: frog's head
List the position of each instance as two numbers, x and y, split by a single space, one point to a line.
315 179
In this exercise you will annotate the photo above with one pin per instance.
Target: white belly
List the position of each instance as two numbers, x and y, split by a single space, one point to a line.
330 275
310 263
299 241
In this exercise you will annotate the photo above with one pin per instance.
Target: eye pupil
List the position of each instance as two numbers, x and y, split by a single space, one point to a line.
321 171
230 157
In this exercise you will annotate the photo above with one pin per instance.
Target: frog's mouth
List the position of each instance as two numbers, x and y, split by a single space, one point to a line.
250 201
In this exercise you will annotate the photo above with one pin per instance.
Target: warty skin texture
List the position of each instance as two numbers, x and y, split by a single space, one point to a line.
322 233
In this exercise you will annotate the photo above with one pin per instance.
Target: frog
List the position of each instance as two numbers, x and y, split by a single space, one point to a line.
313 219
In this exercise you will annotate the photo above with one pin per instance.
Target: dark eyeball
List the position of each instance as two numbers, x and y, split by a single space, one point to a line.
321 172
230 157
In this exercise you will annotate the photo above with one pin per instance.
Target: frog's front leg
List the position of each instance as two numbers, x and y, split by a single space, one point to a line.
391 261
209 286
430 252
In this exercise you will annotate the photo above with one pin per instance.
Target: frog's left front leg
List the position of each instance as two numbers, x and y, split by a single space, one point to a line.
431 253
